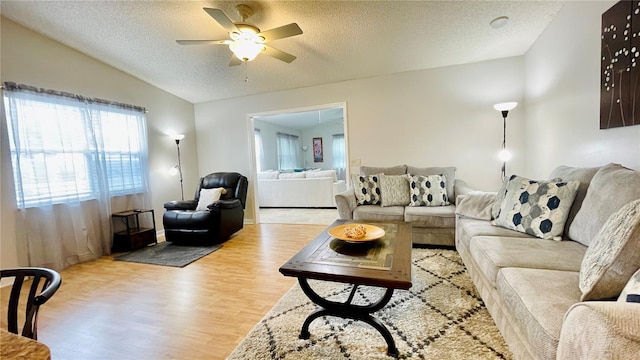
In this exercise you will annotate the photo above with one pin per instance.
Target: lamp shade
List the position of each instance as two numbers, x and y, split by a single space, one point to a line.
505 106
176 136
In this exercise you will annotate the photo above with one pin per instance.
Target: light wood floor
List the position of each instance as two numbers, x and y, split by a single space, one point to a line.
109 309
298 216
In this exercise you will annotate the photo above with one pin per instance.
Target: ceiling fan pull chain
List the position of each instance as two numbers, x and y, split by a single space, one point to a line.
246 77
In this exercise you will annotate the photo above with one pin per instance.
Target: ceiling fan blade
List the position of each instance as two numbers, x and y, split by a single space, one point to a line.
222 19
281 32
235 61
278 54
204 42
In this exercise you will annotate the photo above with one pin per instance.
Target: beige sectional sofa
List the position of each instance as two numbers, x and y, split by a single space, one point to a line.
534 287
433 225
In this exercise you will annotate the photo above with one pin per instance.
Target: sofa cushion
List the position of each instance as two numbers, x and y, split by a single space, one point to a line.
494 253
431 216
291 175
475 227
612 187
270 174
448 172
367 189
322 174
394 170
537 300
613 256
537 208
378 213
394 190
428 190
582 175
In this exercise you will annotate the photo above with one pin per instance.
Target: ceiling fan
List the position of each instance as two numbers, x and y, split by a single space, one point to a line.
247 41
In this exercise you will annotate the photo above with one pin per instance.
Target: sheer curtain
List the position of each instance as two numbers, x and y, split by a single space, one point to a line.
73 159
339 156
259 149
288 151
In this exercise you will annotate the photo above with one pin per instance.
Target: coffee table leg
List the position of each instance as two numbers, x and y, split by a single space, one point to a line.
347 310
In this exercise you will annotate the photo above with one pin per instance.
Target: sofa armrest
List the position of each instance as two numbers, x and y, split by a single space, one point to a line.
462 188
346 203
181 205
224 204
600 330
476 205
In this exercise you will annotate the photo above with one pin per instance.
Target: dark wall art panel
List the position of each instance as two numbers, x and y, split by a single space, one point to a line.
620 67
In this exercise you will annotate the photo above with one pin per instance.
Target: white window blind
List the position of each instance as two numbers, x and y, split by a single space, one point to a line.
66 149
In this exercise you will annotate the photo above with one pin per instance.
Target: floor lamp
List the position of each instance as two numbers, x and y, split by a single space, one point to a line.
504 155
178 168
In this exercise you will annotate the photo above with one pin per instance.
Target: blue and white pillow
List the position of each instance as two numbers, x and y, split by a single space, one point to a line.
537 208
367 189
428 190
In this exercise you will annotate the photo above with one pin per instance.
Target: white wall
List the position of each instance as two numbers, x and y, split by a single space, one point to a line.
29 58
438 117
563 97
325 132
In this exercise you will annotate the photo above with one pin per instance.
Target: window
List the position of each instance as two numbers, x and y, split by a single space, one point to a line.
259 149
288 151
339 155
68 149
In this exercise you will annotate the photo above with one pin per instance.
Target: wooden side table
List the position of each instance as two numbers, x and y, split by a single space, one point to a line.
133 237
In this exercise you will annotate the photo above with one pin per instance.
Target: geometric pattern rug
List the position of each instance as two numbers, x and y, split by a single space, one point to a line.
440 317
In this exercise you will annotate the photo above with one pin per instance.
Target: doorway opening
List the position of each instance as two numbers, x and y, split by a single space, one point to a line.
299 162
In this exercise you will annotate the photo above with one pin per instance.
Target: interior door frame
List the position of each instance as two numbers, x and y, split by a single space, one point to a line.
253 185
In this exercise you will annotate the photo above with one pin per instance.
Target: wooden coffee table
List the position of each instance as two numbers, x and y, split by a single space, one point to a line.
384 263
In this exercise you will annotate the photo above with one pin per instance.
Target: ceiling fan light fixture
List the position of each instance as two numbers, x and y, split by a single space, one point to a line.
246 50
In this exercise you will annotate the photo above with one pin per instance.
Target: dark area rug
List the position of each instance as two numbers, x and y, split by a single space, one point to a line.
168 254
441 317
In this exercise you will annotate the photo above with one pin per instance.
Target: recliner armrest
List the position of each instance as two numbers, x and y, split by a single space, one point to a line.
225 204
181 205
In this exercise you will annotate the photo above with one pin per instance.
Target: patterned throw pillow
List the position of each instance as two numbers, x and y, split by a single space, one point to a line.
613 256
428 190
632 288
395 190
367 189
538 208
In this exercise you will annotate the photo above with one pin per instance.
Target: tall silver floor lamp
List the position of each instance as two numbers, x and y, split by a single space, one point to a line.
504 155
177 170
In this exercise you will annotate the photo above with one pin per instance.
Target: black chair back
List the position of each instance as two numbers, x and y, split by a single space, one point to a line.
45 283
235 184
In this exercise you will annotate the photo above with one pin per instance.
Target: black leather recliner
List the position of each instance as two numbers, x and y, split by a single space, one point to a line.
184 225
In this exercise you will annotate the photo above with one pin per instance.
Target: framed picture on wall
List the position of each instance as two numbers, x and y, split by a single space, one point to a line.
317 150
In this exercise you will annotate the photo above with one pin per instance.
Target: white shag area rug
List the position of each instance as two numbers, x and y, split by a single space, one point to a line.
440 317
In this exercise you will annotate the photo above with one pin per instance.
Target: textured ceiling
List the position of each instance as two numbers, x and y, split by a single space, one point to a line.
342 40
